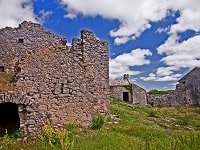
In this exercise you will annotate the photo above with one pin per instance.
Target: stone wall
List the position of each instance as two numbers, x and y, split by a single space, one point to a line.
64 86
117 92
28 36
139 95
188 89
187 92
65 83
136 93
96 59
162 100
31 119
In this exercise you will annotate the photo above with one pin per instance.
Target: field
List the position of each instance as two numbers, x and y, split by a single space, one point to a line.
128 128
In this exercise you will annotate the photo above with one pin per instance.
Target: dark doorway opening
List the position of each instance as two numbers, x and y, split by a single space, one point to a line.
9 118
125 96
2 69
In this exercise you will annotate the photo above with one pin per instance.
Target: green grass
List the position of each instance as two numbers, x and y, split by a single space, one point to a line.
130 128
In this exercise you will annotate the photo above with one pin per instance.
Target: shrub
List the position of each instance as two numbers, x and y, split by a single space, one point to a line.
56 138
16 135
6 142
64 142
97 122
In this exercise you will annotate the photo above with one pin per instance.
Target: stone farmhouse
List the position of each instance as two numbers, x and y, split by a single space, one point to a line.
53 82
128 92
187 92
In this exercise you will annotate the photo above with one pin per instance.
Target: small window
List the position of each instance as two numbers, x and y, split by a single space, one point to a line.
183 82
20 40
2 69
62 88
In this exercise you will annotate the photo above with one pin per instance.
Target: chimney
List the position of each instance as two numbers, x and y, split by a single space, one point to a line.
126 76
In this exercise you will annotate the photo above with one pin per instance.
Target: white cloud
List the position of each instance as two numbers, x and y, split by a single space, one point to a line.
121 40
13 12
161 30
189 16
178 55
181 55
43 15
120 65
134 16
157 77
163 74
173 84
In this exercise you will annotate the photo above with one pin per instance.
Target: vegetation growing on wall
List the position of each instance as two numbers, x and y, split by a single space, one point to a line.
6 81
128 87
157 92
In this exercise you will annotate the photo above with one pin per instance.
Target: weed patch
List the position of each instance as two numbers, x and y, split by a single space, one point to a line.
55 138
97 122
6 81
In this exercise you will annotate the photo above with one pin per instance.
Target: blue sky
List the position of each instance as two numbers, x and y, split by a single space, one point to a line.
156 41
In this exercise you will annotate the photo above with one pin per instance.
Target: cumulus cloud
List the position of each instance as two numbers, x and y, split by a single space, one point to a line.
178 55
181 54
164 75
43 15
189 16
14 12
134 16
122 63
185 54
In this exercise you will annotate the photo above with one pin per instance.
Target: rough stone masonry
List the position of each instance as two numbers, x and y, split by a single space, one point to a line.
54 82
187 92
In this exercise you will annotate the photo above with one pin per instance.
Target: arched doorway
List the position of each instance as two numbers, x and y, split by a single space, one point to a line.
9 118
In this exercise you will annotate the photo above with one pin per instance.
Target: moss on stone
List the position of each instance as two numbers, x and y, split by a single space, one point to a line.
128 87
6 80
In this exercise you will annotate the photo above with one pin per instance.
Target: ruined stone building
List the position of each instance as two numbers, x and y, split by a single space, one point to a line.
188 88
53 82
187 92
128 92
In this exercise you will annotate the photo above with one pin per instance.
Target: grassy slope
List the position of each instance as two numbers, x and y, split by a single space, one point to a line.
139 128
151 128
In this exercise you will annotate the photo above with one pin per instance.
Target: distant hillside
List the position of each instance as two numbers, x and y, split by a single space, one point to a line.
157 92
